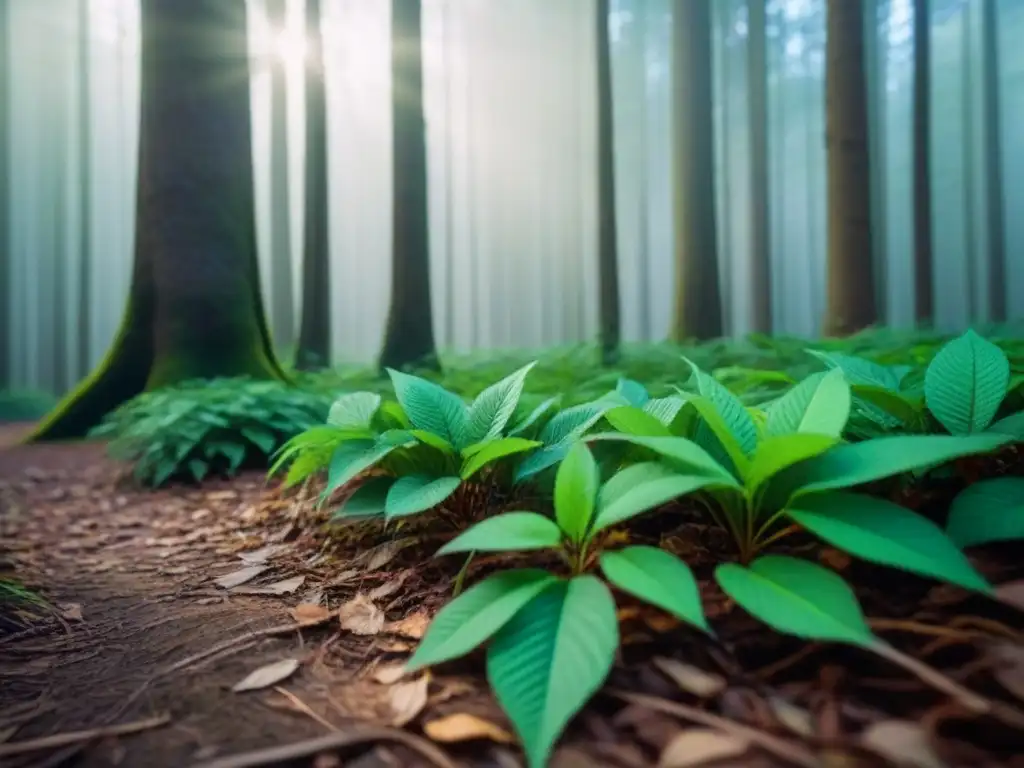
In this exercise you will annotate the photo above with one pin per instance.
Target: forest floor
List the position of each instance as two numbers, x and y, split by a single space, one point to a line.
162 602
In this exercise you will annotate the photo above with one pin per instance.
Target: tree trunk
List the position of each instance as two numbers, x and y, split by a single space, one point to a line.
315 330
924 308
994 199
5 199
760 229
607 233
282 315
194 308
409 338
698 302
84 188
851 284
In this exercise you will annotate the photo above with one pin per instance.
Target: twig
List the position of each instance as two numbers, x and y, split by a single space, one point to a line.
332 741
784 750
304 708
75 737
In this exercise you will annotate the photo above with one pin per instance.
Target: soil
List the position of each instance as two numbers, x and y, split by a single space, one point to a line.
144 634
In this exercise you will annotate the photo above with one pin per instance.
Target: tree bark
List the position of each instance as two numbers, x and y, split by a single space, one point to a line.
194 308
760 230
698 299
409 337
924 308
315 329
851 285
994 197
607 232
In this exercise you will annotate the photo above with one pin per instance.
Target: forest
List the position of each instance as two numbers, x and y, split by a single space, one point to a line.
511 383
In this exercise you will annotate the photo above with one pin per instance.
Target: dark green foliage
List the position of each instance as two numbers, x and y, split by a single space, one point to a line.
24 406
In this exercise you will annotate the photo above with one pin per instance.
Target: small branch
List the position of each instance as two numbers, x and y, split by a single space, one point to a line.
75 737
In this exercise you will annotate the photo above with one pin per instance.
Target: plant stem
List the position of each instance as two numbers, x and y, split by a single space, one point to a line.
460 578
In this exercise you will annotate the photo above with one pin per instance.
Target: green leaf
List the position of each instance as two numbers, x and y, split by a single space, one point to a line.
534 416
858 370
542 459
680 452
507 532
634 392
642 487
367 500
492 409
480 455
351 459
882 532
907 409
412 494
573 422
1011 425
734 414
664 409
354 410
853 464
777 453
966 382
576 487
263 439
992 510
429 406
474 616
659 578
390 415
434 441
633 421
554 654
798 598
819 404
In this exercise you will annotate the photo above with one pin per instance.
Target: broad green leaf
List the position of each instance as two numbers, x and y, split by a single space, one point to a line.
367 500
492 409
819 404
354 410
797 597
907 409
633 421
714 436
541 459
966 382
680 452
642 487
858 370
391 416
991 510
664 409
474 616
533 416
413 494
434 441
573 422
777 453
634 392
1011 425
576 487
853 464
351 459
882 532
429 406
729 407
483 454
507 532
554 654
659 578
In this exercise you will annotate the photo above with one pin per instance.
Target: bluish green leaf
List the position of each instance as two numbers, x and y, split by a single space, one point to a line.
664 409
351 459
634 392
573 422
882 532
906 408
858 370
367 500
777 453
991 510
541 459
798 598
412 494
659 578
966 382
734 414
483 454
819 404
533 416
576 487
429 406
554 654
678 451
507 532
492 409
354 410
1011 425
474 616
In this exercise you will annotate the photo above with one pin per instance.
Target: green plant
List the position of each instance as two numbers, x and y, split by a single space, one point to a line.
552 639
204 427
988 511
18 406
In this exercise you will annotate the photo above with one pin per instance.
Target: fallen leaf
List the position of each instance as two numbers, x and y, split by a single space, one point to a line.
413 626
1011 593
239 577
259 556
361 617
465 727
71 611
797 719
221 495
690 678
278 588
408 700
903 742
383 554
268 675
700 746
1008 667
310 613
389 674
389 587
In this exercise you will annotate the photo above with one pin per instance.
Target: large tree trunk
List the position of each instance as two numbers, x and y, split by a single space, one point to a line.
994 197
607 233
194 308
409 338
315 330
698 302
851 284
760 230
921 140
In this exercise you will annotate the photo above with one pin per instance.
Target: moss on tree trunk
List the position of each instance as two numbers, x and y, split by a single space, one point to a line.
194 308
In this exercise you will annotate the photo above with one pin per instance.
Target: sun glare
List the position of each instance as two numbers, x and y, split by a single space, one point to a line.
287 45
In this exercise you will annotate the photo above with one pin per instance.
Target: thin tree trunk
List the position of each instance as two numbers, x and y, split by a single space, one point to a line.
315 329
84 188
5 198
924 307
607 233
851 284
194 308
282 314
409 337
760 229
698 300
994 197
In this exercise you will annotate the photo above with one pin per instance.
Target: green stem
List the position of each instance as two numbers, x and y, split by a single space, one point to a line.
460 578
